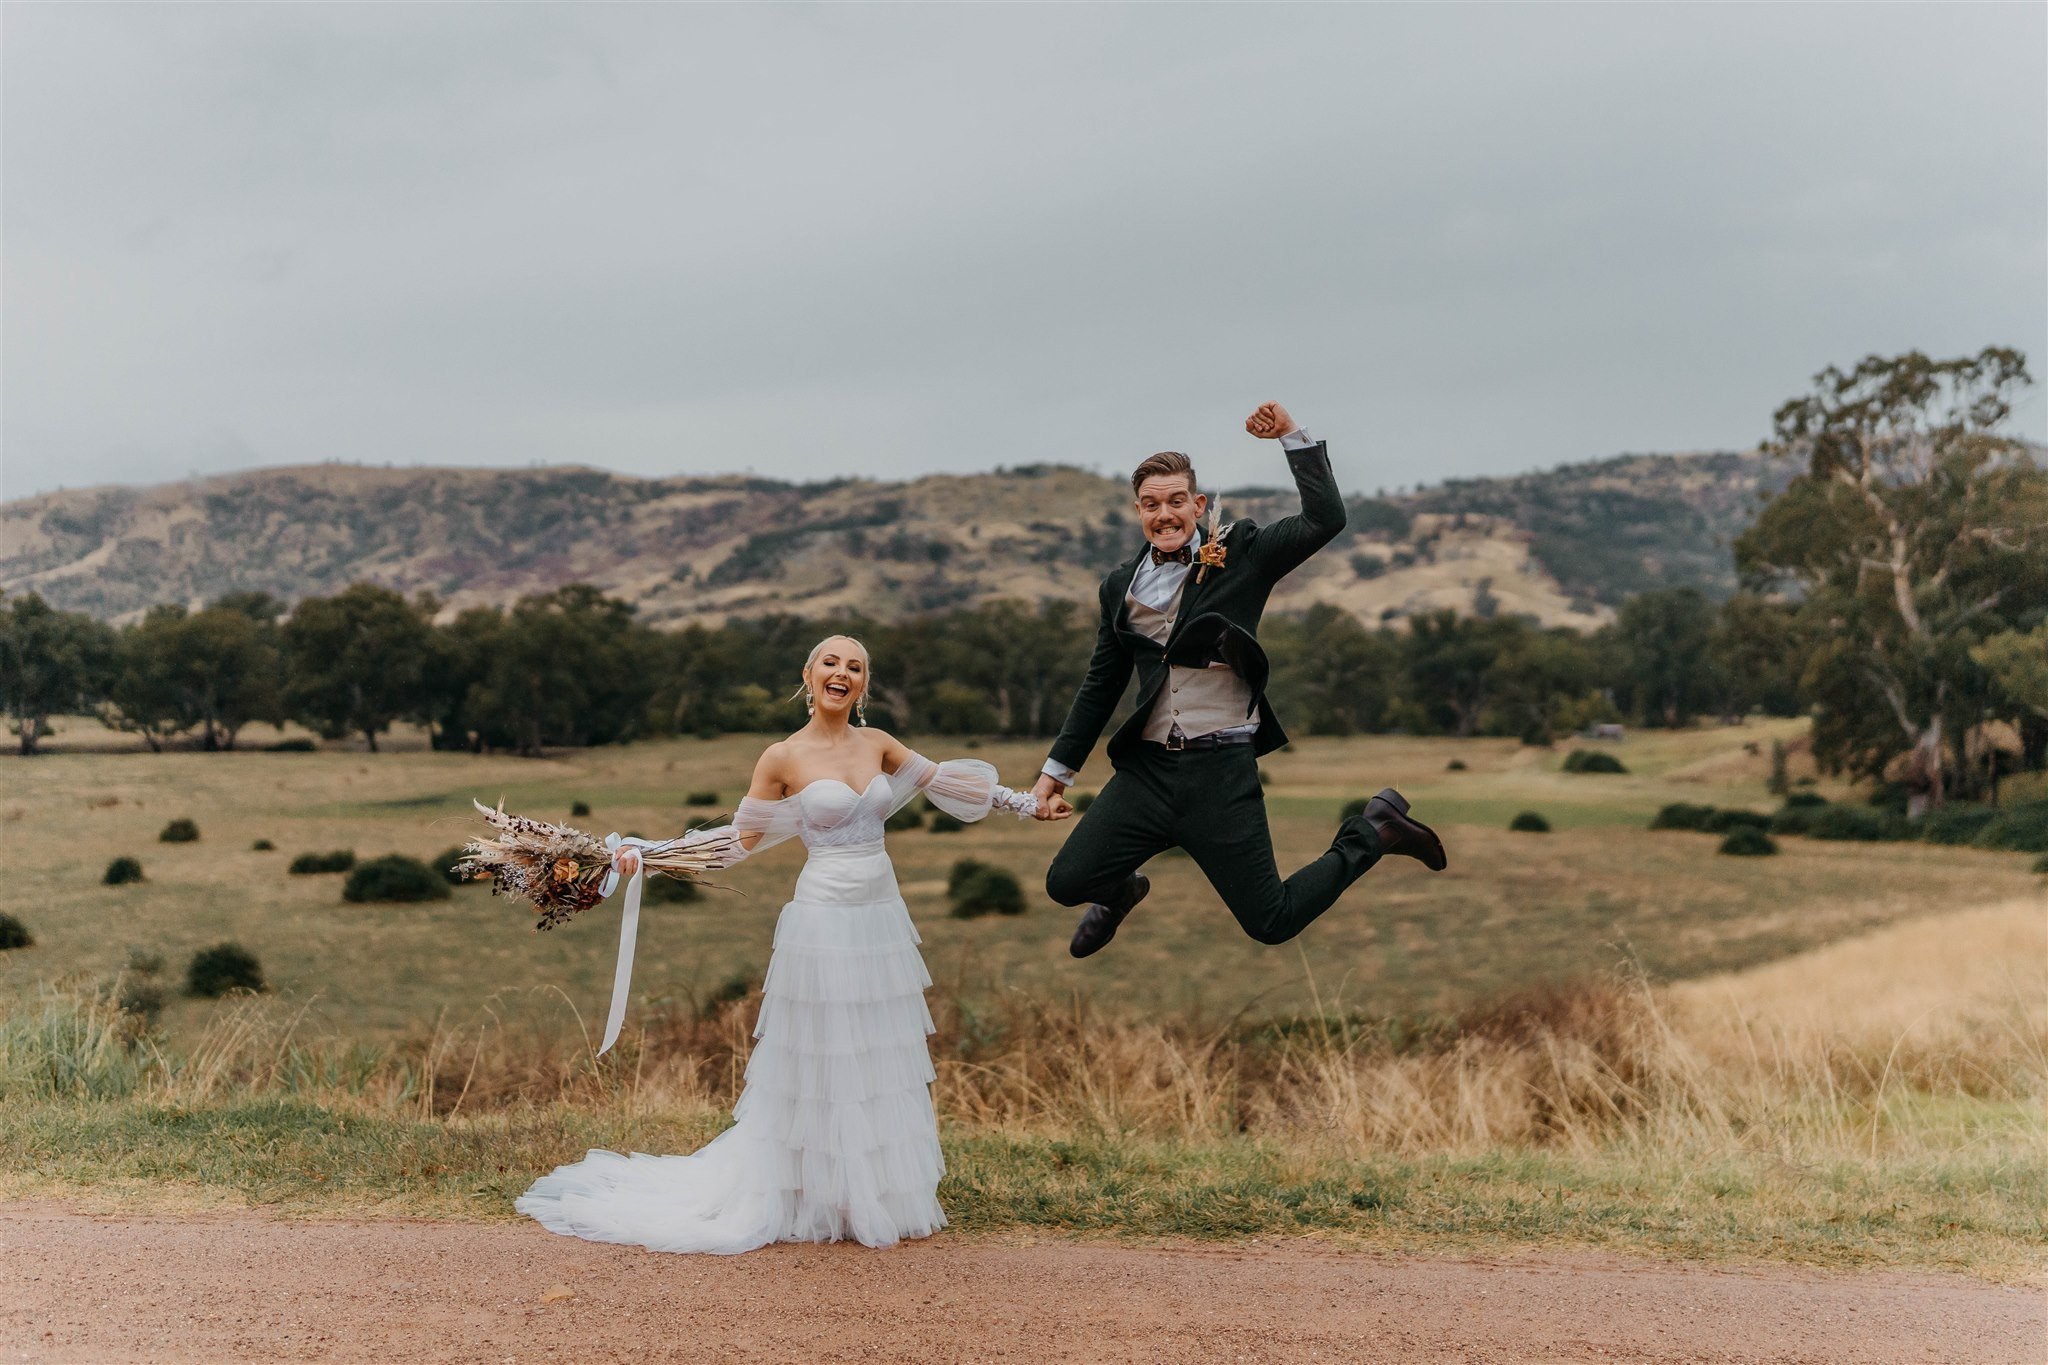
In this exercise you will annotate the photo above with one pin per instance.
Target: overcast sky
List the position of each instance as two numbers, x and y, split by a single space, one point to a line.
885 240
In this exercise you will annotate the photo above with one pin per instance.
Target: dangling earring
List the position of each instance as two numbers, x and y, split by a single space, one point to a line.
810 703
860 709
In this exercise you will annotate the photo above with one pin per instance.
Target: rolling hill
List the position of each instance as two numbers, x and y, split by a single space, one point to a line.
1563 546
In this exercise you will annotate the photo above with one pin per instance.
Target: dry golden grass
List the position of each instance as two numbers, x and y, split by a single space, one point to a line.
1878 1101
1514 911
1602 1035
1912 1009
1953 1004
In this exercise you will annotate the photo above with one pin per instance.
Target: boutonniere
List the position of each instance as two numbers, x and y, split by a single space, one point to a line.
1213 551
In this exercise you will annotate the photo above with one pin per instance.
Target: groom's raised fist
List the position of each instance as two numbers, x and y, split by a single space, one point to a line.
1269 423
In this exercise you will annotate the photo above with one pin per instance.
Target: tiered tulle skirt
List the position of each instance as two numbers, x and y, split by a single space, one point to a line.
834 1135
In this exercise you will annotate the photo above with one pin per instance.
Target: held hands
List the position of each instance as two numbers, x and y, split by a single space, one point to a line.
1270 422
1051 805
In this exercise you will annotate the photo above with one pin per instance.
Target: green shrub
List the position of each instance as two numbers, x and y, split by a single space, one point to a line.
14 934
578 808
1749 842
2041 864
141 994
1796 819
225 967
395 877
1955 824
1725 820
1352 809
1529 822
179 831
661 890
1813 799
1592 761
701 799
1891 796
2017 829
1456 765
1680 815
262 846
977 888
732 990
121 871
444 863
301 745
961 870
1265 778
910 817
1080 801
306 864
143 999
943 823
1858 825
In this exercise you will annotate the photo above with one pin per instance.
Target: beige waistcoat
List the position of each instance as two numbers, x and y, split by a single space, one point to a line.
1200 701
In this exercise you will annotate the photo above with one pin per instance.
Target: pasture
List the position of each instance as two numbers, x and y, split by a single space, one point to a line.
1601 1035
1514 911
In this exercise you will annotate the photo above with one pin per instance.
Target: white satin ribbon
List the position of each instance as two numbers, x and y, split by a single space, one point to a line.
629 928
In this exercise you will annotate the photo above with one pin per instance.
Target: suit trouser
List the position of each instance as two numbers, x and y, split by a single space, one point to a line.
1206 801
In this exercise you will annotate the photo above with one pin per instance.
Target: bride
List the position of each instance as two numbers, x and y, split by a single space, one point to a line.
834 1135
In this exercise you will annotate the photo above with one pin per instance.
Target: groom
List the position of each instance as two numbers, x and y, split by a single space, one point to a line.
1184 614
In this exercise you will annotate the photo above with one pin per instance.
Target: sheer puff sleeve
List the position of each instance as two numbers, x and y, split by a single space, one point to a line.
768 823
964 788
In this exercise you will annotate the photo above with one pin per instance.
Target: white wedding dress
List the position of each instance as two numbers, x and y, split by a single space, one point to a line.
834 1135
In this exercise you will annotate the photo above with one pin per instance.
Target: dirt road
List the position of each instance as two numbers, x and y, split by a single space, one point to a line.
245 1287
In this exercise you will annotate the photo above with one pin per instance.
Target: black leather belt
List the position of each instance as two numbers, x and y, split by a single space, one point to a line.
1178 743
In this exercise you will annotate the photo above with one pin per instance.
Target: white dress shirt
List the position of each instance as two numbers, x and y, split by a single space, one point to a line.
1155 586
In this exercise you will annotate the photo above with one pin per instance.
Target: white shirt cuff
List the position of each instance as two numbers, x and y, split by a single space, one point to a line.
1296 439
1060 772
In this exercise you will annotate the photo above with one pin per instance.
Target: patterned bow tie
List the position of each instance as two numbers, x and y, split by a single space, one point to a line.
1184 555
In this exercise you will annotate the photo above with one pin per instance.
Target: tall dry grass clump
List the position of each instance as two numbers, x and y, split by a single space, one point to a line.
1840 1052
1578 1065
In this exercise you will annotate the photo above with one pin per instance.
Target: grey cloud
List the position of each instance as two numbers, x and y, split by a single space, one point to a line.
816 240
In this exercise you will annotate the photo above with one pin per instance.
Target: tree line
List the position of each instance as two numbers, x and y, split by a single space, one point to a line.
1897 590
574 667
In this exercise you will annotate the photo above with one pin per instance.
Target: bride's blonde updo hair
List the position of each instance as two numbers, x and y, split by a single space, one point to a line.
860 703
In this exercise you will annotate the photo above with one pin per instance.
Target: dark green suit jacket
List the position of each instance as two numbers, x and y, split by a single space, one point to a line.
1218 619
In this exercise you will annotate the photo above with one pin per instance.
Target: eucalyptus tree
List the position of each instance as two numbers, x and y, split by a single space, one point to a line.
1663 640
1916 531
51 663
356 662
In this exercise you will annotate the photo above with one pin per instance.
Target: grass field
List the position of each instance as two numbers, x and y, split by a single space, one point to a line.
1835 1055
1514 910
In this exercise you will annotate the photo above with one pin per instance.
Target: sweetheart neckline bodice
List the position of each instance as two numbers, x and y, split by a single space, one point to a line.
862 791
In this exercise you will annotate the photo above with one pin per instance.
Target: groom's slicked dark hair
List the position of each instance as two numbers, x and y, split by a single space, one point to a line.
1166 462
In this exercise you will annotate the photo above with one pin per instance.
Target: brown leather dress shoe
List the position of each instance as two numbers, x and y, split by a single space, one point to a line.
1387 813
1099 922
